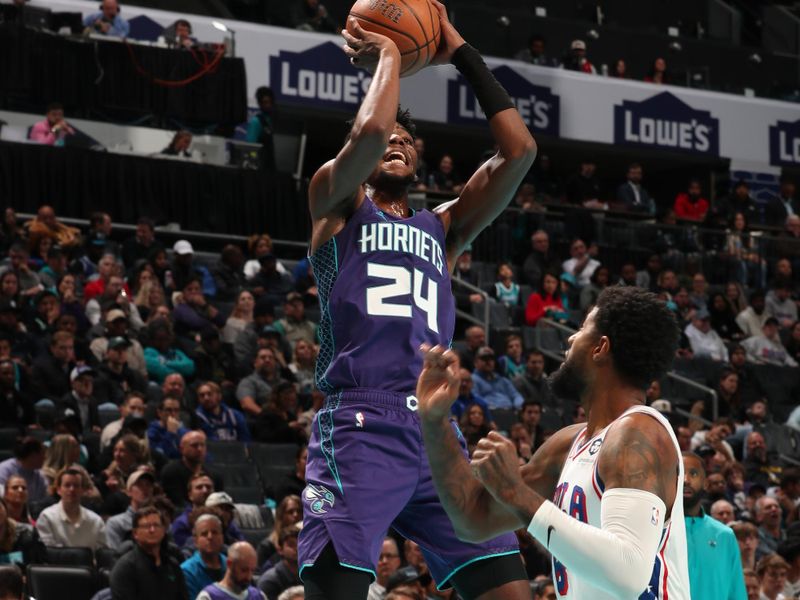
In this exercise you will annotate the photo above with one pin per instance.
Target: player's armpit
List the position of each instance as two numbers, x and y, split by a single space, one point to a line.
638 453
542 471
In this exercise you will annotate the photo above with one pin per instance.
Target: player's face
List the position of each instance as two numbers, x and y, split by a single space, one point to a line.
398 165
571 379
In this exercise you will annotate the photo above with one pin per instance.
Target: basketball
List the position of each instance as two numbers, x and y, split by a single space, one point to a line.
412 24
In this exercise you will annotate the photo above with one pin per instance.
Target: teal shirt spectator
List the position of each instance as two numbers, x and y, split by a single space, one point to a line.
160 365
715 565
198 576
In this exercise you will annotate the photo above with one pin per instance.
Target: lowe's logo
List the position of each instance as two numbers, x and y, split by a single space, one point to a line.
537 105
321 76
665 121
784 144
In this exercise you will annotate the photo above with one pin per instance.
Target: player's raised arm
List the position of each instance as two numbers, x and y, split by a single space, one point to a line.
334 187
491 188
476 515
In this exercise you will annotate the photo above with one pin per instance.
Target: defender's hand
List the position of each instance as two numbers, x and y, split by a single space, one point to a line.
451 39
438 383
365 48
496 465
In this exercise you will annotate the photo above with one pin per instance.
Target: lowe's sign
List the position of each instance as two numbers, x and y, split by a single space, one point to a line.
784 144
667 123
537 105
321 76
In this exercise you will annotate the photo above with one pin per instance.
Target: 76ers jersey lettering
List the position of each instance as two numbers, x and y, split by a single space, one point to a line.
384 289
579 494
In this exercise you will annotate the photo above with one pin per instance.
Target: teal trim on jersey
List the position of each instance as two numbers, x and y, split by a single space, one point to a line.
326 269
469 562
326 426
344 564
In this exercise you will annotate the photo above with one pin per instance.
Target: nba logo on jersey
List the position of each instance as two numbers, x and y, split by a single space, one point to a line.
360 419
654 516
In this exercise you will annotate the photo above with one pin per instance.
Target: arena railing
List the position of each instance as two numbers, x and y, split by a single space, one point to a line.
559 357
486 322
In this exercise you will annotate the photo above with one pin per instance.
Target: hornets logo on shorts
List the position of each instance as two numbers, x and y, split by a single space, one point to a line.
317 497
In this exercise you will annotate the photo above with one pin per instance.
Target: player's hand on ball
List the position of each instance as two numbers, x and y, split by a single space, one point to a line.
496 465
364 47
437 386
451 39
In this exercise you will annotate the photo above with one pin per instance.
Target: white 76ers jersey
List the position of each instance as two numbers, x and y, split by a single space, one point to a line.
579 494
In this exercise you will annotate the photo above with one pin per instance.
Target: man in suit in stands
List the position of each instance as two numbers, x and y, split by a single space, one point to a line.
632 195
784 205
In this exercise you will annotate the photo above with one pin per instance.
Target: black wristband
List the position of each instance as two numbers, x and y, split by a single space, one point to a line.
492 96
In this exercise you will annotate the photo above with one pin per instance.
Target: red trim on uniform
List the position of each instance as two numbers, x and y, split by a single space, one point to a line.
664 562
594 483
576 443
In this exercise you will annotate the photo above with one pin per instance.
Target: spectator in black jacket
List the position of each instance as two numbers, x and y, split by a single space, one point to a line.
277 423
51 371
632 195
784 204
214 361
16 408
269 283
148 570
228 273
139 247
541 260
115 379
285 573
81 399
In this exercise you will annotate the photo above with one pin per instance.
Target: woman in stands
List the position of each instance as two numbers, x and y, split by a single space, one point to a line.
258 246
723 319
548 302
9 287
303 363
129 454
19 542
241 315
474 425
289 512
16 500
734 294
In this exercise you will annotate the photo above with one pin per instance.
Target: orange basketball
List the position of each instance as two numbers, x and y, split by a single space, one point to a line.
412 24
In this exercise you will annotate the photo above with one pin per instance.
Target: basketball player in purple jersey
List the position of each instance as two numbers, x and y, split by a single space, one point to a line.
615 524
383 274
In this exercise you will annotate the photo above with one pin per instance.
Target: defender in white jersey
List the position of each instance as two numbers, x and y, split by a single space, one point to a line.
615 523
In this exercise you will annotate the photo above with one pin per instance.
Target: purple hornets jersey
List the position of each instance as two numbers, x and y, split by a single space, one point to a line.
384 289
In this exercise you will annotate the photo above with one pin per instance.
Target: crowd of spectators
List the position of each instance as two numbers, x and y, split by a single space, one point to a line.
120 359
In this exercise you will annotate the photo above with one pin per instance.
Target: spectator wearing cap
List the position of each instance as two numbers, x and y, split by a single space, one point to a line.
117 326
705 342
51 371
214 360
497 391
576 60
193 312
715 567
133 405
751 320
228 273
284 574
139 488
184 269
404 578
164 433
27 462
245 345
114 296
67 523
790 552
148 570
16 407
254 391
162 356
208 563
217 419
269 282
388 562
115 379
223 505
767 349
294 326
139 246
81 399
241 563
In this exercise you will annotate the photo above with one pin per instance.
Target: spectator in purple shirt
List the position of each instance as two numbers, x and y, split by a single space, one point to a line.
28 459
